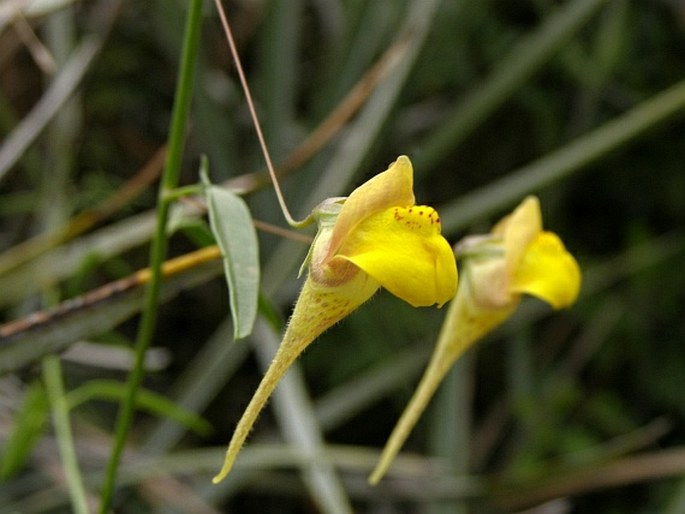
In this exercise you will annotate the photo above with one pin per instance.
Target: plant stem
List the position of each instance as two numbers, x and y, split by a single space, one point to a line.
52 374
158 246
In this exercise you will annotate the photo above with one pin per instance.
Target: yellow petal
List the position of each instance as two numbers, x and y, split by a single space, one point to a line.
518 230
403 250
393 187
548 272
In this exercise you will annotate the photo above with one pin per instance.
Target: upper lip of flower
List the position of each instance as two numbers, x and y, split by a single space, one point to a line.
393 187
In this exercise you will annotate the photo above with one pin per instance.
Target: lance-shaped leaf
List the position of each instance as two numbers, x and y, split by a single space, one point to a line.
231 223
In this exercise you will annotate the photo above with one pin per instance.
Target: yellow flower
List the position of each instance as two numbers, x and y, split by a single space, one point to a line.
377 237
519 257
516 257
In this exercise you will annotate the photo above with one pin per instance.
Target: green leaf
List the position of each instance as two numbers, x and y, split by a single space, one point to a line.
146 400
29 422
231 223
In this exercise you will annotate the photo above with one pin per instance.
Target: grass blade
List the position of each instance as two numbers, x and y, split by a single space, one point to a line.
52 374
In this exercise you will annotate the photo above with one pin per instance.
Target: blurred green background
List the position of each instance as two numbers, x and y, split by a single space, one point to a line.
577 101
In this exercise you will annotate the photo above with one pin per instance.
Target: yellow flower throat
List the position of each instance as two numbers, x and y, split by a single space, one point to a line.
418 218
